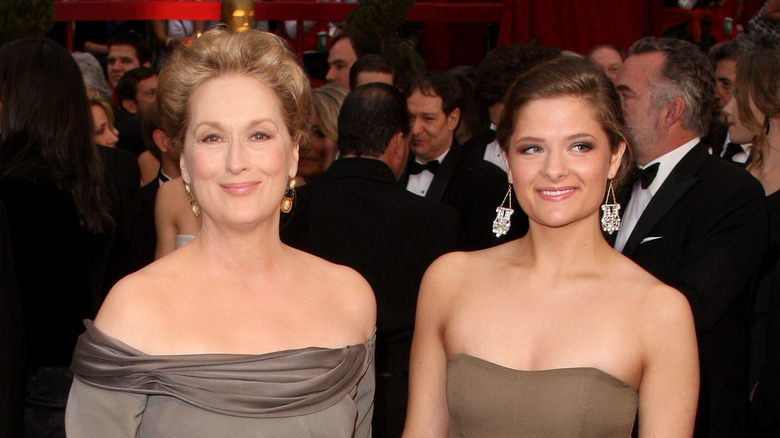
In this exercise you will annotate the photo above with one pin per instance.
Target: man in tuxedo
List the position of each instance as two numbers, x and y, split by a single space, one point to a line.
698 224
137 91
357 215
725 59
438 168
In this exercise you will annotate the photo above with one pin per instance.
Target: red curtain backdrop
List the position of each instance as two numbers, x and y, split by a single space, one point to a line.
578 25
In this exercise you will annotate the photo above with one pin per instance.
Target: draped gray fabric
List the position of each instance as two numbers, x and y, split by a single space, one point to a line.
273 385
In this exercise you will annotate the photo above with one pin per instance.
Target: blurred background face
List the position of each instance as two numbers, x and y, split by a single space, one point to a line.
609 59
121 58
105 133
738 132
146 94
340 59
725 75
317 153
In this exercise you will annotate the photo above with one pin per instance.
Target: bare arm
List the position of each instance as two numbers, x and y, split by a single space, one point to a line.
668 392
158 29
165 218
427 414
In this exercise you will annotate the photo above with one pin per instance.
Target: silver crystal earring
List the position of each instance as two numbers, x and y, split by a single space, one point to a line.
610 220
503 219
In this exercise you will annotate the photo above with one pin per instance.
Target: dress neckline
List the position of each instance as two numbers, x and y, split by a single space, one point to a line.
113 342
563 370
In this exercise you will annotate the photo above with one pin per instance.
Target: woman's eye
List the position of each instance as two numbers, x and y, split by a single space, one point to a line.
582 147
211 138
530 149
259 136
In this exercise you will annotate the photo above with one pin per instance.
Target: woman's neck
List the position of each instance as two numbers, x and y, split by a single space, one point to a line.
577 248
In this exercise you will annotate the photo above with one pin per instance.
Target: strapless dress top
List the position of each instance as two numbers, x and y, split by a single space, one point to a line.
183 239
488 400
306 392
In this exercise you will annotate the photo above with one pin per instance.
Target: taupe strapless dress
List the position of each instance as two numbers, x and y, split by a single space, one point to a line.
489 400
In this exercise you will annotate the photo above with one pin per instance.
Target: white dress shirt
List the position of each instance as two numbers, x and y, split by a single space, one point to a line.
493 152
418 184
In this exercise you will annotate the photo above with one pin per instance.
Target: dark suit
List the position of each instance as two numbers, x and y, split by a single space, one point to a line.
475 188
13 359
134 243
129 127
356 215
709 223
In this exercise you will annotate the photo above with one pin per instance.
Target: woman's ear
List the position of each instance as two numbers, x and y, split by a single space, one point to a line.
185 175
294 161
615 160
506 163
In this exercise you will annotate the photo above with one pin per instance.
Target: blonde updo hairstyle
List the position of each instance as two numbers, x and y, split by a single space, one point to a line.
257 54
575 78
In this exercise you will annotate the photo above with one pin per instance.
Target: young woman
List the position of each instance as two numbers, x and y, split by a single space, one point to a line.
553 334
754 117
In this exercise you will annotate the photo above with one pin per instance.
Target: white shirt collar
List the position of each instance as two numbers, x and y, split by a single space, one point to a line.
667 163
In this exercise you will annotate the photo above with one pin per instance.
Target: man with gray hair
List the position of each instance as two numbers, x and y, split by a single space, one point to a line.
694 221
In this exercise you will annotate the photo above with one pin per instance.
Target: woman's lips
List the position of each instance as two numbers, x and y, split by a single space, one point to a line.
241 188
556 194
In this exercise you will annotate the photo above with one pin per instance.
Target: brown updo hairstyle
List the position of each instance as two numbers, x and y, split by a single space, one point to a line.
758 78
576 78
257 54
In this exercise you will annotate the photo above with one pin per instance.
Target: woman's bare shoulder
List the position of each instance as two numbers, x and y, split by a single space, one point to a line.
656 304
340 285
134 304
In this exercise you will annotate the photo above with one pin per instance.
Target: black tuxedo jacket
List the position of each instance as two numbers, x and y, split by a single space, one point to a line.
356 215
705 233
475 188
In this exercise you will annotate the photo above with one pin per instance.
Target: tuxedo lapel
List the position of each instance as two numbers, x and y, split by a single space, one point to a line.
444 173
682 178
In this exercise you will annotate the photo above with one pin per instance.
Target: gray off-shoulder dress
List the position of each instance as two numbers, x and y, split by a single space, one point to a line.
119 391
489 400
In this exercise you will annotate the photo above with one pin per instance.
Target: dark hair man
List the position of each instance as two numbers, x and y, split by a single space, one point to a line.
126 51
400 234
370 68
136 91
439 170
344 51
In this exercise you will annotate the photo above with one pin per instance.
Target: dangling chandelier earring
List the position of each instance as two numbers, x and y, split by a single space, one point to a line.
503 219
192 200
287 201
610 220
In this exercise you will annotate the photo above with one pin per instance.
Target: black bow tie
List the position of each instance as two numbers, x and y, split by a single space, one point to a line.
417 168
647 175
731 150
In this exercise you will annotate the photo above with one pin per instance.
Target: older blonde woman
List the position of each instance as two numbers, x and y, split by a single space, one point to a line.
321 147
234 334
